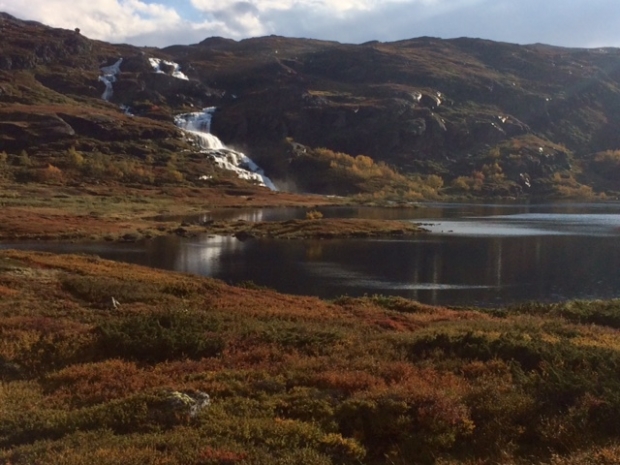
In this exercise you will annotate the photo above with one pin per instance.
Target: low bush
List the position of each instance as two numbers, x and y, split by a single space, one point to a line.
100 290
305 339
158 337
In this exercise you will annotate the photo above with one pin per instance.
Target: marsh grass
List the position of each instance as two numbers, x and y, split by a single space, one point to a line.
315 228
113 210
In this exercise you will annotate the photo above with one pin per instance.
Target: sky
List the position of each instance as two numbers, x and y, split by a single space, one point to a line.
571 23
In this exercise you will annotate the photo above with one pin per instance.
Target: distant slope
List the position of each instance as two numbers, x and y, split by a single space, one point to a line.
488 118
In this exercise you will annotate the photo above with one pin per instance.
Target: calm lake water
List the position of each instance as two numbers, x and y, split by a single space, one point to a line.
476 254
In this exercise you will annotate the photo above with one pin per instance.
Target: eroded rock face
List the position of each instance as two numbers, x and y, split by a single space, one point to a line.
25 131
491 93
18 129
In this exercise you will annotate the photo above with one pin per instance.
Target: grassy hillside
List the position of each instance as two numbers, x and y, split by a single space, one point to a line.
290 380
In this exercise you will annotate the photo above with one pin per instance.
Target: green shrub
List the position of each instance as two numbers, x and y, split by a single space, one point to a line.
100 290
406 427
306 339
159 337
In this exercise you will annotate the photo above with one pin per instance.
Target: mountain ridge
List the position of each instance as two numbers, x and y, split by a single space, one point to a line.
488 118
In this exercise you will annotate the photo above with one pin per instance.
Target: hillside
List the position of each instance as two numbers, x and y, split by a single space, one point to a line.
109 363
472 116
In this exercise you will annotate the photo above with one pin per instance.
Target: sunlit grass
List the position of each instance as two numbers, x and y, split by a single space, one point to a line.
376 380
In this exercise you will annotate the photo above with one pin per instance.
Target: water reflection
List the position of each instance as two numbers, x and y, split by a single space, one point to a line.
204 256
530 224
450 270
486 255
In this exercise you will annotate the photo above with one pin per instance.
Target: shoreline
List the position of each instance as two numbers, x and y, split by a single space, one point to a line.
43 213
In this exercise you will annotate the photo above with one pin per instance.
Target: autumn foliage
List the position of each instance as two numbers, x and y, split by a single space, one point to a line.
326 171
373 380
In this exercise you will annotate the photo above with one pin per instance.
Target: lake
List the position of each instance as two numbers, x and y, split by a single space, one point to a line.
475 254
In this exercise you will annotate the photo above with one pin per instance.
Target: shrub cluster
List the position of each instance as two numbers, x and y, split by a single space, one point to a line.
375 380
157 337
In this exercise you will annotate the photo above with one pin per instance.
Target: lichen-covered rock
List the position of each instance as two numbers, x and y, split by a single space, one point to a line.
188 403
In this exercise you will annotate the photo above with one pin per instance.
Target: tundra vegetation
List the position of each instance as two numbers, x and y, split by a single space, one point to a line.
291 380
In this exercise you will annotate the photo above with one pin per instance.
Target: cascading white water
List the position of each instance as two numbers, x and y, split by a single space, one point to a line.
176 68
198 126
108 77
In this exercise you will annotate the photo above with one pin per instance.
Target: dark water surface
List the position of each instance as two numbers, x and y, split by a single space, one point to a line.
476 254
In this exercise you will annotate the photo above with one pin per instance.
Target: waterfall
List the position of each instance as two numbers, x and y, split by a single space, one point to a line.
176 68
198 126
108 77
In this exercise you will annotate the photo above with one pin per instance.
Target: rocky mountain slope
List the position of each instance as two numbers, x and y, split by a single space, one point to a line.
470 115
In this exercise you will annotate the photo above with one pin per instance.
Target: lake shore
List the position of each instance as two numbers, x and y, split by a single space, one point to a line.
120 213
129 215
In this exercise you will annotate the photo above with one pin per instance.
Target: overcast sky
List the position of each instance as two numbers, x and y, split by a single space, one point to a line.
574 23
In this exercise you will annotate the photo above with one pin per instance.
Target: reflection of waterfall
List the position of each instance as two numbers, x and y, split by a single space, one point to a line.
497 245
204 257
198 126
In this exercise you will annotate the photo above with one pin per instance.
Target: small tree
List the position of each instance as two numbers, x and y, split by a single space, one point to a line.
74 158
49 174
434 181
23 159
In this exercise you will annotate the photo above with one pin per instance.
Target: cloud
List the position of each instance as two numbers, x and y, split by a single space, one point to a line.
303 17
101 19
165 22
283 5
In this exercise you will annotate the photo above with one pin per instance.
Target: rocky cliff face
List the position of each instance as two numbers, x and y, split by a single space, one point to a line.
516 117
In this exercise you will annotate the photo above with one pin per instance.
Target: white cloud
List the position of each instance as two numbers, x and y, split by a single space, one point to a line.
249 18
166 22
101 19
268 5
